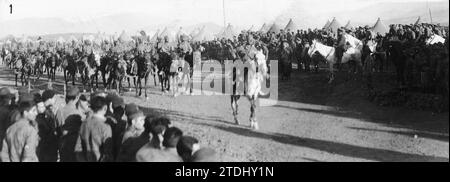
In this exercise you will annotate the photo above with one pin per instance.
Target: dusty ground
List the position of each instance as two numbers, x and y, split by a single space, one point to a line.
313 121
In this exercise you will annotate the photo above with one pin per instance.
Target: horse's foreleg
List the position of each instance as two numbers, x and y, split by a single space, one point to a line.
137 82
234 107
161 82
17 76
65 77
145 85
129 84
73 78
253 122
331 73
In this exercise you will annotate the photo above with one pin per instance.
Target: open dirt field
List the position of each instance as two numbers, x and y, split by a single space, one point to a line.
313 121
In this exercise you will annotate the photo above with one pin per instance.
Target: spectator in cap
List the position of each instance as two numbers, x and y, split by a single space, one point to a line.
186 147
46 120
94 143
114 119
6 97
83 106
69 120
22 137
158 127
14 114
135 124
154 128
168 154
136 136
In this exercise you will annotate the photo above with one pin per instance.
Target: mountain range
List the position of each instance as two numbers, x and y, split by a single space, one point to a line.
389 12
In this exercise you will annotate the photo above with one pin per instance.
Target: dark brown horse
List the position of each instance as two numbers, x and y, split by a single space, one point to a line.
146 68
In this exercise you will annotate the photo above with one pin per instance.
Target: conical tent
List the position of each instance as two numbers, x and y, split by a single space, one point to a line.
326 24
203 35
89 38
334 25
194 32
25 39
348 26
275 28
380 27
251 28
180 33
418 21
228 32
291 26
60 40
124 37
263 28
155 37
168 33
73 39
8 37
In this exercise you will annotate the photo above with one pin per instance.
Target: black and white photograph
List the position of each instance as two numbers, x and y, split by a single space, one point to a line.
224 81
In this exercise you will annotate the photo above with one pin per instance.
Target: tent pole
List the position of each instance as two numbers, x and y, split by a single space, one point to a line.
224 15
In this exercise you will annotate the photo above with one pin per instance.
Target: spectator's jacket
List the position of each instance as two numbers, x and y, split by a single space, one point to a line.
132 141
20 142
48 144
4 122
94 143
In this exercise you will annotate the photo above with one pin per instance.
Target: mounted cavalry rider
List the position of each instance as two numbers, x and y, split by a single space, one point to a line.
246 51
186 50
340 46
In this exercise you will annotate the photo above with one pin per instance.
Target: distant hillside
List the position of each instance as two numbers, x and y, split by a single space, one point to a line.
303 16
130 22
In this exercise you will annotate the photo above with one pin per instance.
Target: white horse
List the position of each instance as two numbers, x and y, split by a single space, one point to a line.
257 72
352 53
434 39
326 51
353 49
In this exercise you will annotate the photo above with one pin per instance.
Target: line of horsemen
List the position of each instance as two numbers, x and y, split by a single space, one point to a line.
116 61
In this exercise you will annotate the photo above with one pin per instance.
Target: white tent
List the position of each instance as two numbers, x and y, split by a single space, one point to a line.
124 37
180 33
291 26
275 28
194 32
172 35
89 38
380 27
203 35
418 21
72 39
60 40
348 26
334 25
154 37
227 33
263 28
326 24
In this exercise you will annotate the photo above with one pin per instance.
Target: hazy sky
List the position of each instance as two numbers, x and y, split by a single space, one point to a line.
192 11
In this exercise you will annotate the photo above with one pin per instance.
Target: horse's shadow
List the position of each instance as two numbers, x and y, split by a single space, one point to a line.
333 148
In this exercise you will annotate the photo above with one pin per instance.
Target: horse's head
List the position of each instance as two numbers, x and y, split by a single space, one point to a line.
312 48
372 45
97 58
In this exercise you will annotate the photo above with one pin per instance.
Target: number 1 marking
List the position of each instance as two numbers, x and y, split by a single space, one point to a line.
10 8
